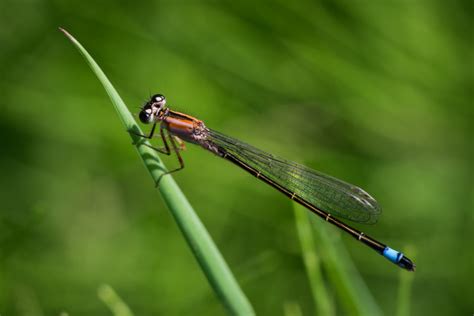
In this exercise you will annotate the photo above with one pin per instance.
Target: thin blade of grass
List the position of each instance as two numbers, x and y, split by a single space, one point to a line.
116 305
350 288
312 262
404 289
204 249
292 309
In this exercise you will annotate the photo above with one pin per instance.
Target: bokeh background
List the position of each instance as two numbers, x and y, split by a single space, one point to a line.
378 93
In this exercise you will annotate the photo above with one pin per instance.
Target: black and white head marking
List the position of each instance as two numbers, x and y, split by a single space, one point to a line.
151 111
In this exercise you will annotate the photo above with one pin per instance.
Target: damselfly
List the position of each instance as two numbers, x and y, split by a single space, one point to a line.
323 195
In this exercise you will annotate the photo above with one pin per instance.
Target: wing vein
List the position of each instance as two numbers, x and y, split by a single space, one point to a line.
332 195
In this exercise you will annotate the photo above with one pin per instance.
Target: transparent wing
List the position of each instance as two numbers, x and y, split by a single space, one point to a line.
331 195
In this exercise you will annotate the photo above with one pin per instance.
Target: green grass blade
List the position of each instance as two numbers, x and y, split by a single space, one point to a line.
404 289
116 305
292 309
350 288
312 262
197 237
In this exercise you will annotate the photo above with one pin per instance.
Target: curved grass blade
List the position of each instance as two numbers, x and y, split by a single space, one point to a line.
312 261
349 286
205 251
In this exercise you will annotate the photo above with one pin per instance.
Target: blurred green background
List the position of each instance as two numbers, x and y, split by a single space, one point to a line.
378 93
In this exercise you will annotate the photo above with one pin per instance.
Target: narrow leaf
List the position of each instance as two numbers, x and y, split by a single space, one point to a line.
204 249
312 262
118 307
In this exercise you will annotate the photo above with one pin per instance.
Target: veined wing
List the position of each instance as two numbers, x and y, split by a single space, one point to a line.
327 193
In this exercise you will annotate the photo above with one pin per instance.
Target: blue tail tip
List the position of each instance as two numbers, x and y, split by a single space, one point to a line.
398 258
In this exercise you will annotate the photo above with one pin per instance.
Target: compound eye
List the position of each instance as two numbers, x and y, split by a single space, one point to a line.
145 116
158 98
